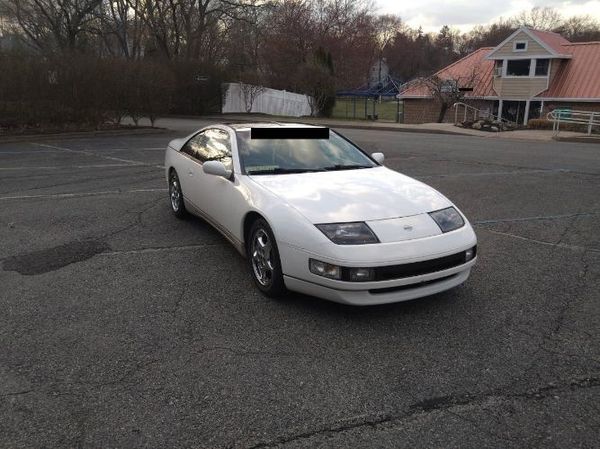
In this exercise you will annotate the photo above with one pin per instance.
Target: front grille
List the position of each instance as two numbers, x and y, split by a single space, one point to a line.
380 291
416 268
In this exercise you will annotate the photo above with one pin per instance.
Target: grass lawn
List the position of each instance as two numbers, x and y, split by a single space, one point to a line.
386 110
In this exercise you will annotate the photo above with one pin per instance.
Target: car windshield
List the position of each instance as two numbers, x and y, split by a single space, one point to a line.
281 156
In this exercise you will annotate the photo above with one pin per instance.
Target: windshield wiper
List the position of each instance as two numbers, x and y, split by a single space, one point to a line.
281 171
346 167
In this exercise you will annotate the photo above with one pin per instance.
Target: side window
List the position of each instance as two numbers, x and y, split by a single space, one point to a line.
210 145
194 145
217 147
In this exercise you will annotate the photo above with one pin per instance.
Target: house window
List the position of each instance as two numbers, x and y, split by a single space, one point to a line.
541 67
518 67
449 86
498 67
520 46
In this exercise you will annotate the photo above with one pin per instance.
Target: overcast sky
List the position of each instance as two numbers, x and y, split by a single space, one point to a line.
464 14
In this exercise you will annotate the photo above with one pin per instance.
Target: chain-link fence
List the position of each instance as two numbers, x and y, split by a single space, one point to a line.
387 109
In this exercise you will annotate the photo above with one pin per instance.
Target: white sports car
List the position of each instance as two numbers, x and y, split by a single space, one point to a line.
314 213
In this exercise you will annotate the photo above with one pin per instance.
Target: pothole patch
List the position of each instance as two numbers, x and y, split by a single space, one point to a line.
52 259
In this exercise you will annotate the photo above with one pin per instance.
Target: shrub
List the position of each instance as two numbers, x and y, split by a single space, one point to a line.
548 124
74 90
539 123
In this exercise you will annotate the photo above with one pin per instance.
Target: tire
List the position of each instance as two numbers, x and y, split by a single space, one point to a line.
263 259
176 196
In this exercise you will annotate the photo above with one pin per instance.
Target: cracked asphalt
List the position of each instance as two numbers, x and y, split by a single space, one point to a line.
123 327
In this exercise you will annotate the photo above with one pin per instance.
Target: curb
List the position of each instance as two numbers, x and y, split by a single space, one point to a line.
582 139
81 134
402 130
259 119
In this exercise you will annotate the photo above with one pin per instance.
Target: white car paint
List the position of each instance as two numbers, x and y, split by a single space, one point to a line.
394 206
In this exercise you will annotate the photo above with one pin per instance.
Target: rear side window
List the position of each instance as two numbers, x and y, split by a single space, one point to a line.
210 145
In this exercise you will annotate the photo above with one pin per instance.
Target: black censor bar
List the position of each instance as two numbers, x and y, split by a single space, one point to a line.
285 132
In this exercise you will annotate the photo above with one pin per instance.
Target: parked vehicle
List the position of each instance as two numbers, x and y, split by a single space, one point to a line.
314 213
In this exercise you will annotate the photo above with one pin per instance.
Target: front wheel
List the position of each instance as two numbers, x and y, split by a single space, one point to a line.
176 196
264 261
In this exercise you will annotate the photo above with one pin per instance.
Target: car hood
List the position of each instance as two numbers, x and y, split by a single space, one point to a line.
353 195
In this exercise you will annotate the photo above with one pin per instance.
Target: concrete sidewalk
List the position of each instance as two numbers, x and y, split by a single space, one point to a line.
188 123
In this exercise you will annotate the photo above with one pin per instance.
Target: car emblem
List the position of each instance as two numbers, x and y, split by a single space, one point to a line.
408 228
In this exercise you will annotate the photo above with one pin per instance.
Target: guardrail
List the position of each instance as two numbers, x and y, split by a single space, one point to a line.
476 113
559 116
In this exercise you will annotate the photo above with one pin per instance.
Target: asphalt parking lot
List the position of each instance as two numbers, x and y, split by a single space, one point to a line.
123 327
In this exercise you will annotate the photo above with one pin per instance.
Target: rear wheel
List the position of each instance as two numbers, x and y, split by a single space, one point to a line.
264 261
176 196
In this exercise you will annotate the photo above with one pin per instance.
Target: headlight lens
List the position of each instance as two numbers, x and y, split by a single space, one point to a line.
348 233
361 274
324 269
447 219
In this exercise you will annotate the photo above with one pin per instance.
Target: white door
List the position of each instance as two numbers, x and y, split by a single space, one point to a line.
209 193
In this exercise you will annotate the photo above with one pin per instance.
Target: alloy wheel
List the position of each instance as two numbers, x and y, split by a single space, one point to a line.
261 254
175 194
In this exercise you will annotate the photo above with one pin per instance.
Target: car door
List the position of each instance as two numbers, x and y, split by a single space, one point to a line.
187 165
210 193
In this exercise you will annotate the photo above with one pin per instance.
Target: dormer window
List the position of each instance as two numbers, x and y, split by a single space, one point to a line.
498 67
541 67
518 67
520 46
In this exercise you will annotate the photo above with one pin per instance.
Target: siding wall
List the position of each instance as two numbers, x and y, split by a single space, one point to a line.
519 88
533 48
556 64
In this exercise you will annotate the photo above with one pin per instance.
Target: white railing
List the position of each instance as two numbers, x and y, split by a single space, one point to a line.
476 113
559 116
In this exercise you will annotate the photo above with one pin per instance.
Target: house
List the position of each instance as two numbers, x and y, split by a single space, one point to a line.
378 74
524 77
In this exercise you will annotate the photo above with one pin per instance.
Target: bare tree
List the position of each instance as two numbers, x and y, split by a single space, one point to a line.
580 29
53 24
540 18
448 89
249 93
121 28
387 26
316 80
189 29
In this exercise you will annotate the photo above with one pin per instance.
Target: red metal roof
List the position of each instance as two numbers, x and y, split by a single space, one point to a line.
461 70
577 77
553 40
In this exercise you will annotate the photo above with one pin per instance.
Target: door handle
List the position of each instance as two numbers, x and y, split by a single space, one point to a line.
190 172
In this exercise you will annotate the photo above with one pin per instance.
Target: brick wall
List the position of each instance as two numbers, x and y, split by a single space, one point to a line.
428 110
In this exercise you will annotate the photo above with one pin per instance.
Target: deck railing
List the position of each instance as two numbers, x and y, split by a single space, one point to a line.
559 116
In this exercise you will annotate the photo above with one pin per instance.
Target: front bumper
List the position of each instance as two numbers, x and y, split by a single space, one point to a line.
404 292
298 277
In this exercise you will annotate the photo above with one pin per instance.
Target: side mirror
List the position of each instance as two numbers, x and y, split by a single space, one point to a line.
379 157
216 168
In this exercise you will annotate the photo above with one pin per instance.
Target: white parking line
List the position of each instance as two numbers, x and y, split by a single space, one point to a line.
89 153
110 158
59 151
81 194
54 167
29 151
541 242
541 217
134 149
498 173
